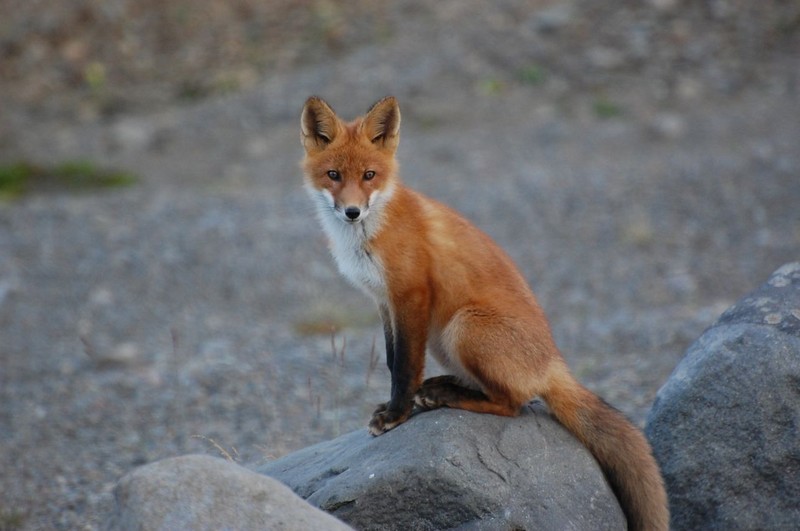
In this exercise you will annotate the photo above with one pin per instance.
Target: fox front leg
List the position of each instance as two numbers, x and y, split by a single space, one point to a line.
405 356
388 335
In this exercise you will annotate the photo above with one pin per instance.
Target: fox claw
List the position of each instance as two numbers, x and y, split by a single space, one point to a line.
426 402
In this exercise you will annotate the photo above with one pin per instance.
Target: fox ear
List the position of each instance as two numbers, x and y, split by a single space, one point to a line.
318 124
382 123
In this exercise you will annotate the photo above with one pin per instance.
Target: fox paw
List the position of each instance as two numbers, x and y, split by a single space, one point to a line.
384 419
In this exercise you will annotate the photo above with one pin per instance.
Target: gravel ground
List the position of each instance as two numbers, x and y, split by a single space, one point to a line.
644 172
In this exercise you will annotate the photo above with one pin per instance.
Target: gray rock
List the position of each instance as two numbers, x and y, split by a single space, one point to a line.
200 492
725 425
449 469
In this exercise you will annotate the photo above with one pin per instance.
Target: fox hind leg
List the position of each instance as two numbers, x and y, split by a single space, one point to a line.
447 391
501 360
439 391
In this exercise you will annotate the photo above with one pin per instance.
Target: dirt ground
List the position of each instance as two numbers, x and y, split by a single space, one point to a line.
638 159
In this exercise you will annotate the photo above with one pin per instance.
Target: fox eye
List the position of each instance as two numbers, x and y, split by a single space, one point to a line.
334 175
369 175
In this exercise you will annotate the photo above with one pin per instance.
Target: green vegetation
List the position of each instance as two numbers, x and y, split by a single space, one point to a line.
492 86
532 75
11 519
319 324
13 179
231 457
22 178
639 231
605 108
94 74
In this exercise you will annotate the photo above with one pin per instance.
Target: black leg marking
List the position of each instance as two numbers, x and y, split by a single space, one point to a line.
399 406
388 335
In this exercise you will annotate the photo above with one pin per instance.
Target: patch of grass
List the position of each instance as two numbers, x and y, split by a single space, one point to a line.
11 519
639 233
330 22
231 457
95 77
21 178
83 174
192 90
429 122
13 179
604 109
492 86
323 319
532 75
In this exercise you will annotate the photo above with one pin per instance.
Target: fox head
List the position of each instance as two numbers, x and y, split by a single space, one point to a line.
350 167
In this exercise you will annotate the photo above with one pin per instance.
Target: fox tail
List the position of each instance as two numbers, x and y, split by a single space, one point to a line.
620 448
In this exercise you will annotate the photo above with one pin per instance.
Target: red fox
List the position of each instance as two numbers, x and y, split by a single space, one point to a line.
443 285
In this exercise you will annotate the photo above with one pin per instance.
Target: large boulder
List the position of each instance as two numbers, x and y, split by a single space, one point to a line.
725 427
200 492
448 468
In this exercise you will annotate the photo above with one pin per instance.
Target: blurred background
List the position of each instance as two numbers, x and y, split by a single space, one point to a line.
164 287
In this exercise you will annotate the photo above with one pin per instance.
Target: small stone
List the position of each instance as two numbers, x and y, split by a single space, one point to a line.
779 281
664 6
256 147
121 355
552 19
75 50
763 151
605 58
133 134
773 318
688 89
668 126
125 352
7 287
101 296
763 303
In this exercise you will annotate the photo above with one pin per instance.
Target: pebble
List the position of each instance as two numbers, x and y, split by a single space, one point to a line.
668 126
553 18
605 58
134 134
664 6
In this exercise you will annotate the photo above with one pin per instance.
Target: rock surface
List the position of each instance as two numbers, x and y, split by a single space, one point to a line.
726 425
201 492
453 469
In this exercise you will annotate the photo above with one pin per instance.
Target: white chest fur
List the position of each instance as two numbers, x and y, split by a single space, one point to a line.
349 243
349 248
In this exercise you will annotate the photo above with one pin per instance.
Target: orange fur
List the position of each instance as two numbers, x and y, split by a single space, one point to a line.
443 285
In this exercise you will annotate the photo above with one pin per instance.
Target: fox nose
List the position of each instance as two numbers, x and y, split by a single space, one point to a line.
352 212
